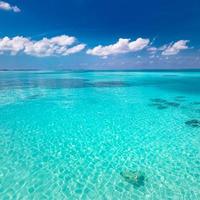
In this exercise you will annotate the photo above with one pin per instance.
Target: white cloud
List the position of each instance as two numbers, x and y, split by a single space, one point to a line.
171 49
74 49
63 40
60 45
13 45
175 48
6 6
122 46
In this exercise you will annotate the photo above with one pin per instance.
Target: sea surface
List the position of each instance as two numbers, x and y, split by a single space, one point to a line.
99 135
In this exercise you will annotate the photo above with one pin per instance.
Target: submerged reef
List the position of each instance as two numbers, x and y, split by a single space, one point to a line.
35 96
163 104
158 100
174 104
196 103
135 178
193 123
180 98
161 107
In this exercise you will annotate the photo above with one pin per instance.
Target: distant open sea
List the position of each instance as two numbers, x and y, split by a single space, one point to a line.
119 135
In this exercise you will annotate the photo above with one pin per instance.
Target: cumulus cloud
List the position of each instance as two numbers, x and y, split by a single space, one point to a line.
60 45
13 45
170 49
6 6
74 49
175 48
122 46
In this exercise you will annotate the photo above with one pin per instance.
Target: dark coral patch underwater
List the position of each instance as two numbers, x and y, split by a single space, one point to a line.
180 98
163 104
196 103
136 178
193 123
174 104
35 96
158 100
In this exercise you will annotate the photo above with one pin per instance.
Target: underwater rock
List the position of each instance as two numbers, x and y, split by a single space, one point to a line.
158 100
193 123
163 104
196 103
174 104
197 110
34 96
161 107
155 104
135 178
180 98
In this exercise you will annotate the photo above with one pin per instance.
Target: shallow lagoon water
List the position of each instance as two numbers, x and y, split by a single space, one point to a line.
68 135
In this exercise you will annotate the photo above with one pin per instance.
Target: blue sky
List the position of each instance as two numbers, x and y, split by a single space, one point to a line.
99 34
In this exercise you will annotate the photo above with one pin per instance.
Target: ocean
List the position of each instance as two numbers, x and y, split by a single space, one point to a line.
100 135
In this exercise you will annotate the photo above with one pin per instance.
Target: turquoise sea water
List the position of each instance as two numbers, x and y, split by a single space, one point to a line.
66 135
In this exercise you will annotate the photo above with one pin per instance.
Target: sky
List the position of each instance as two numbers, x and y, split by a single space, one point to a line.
99 34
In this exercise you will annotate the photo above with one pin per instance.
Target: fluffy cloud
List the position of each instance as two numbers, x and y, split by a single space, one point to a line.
13 45
74 49
60 45
175 48
171 49
122 46
6 6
